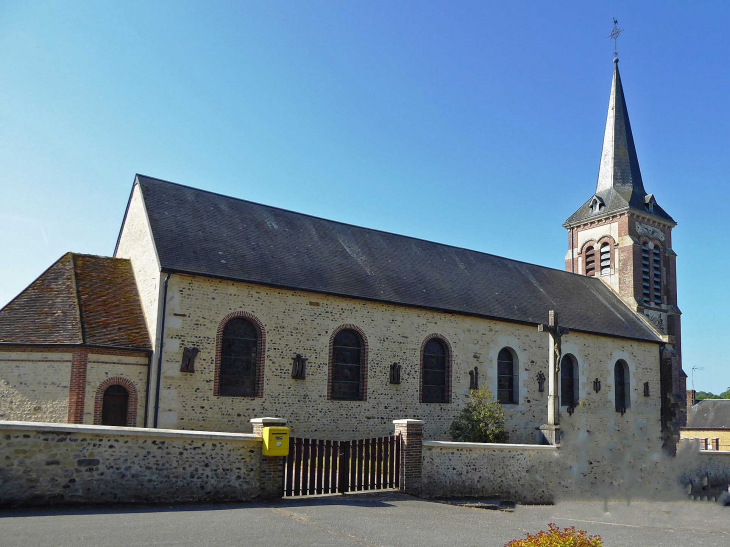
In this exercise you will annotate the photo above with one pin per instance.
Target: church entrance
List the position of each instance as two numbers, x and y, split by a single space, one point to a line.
315 466
115 406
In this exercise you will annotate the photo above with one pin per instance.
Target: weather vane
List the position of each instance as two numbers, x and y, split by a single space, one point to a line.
614 34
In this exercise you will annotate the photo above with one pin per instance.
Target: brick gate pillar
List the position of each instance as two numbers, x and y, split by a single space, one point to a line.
411 439
272 467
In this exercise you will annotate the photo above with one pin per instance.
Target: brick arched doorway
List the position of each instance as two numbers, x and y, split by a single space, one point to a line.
116 403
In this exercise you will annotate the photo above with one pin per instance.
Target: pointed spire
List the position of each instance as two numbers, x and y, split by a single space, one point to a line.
619 163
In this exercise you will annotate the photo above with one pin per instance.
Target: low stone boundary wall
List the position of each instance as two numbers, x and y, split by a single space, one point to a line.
43 463
518 472
547 474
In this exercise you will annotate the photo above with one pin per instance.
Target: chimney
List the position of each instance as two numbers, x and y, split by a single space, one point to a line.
691 397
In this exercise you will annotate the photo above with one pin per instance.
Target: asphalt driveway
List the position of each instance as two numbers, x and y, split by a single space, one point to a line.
386 519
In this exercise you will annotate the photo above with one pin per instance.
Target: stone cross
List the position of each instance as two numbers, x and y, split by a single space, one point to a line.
555 333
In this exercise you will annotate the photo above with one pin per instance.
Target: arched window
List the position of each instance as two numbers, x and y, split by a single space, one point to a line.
115 406
347 366
569 381
605 258
590 260
507 378
238 374
435 372
621 386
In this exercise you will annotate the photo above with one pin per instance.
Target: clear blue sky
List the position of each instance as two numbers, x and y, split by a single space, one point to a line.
471 123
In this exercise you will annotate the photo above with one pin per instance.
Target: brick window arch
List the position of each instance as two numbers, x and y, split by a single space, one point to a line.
131 403
435 381
245 353
347 370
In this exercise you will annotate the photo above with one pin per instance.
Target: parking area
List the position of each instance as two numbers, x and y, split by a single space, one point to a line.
386 519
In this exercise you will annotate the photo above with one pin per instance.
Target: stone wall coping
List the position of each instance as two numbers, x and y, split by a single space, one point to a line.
716 452
489 446
125 431
268 421
409 422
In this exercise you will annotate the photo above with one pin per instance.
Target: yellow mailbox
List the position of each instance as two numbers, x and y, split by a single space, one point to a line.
276 441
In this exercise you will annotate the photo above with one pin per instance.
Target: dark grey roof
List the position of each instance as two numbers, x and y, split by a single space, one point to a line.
709 414
619 185
209 234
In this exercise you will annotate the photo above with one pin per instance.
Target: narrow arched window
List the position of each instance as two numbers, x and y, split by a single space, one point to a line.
347 350
590 260
605 258
569 381
115 406
621 386
239 363
507 380
645 279
657 275
434 373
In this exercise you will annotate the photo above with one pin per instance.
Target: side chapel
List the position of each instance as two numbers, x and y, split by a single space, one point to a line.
214 310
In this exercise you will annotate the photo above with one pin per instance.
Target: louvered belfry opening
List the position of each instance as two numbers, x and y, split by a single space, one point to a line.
590 256
606 258
657 275
645 279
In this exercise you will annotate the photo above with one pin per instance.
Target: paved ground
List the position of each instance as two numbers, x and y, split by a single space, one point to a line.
387 519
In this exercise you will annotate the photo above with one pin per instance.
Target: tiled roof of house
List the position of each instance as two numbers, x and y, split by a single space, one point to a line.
709 414
79 300
208 234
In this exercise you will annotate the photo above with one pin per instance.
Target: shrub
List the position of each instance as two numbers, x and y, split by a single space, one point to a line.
555 537
481 421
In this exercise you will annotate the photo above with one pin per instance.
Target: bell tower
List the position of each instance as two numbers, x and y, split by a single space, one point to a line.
623 237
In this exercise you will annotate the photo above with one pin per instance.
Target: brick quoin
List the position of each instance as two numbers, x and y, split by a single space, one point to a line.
99 399
363 360
260 351
77 386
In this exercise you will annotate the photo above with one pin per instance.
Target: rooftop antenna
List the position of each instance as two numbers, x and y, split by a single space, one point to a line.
614 34
693 375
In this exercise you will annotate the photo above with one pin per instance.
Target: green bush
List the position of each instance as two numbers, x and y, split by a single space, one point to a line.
481 421
555 537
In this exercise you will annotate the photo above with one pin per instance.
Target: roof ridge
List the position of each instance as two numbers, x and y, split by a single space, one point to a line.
78 298
44 272
362 227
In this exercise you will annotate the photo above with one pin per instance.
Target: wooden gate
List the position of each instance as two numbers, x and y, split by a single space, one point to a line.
314 466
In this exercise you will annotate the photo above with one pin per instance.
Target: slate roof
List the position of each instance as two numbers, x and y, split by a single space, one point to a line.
619 185
203 233
79 300
709 414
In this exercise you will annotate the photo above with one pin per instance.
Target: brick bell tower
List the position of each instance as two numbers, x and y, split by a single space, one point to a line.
622 236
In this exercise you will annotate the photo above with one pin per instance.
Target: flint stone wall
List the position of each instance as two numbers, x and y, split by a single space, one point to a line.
43 463
546 474
515 472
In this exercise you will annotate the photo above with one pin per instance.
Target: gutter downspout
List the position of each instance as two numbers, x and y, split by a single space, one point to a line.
159 360
147 392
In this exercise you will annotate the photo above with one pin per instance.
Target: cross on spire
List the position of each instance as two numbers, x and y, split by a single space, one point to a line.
614 34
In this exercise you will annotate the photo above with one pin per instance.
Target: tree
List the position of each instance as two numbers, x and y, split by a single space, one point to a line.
481 421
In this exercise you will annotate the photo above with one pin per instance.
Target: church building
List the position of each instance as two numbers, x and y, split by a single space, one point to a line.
214 310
